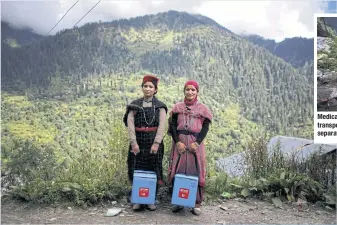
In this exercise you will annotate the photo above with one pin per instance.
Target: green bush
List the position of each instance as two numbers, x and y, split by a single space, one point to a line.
40 173
278 178
29 168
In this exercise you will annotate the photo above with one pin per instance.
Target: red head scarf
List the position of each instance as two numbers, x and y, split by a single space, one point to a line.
152 79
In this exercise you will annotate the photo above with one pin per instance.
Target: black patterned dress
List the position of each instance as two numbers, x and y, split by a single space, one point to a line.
145 117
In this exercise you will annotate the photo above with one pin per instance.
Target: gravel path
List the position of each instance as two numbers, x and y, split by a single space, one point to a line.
232 211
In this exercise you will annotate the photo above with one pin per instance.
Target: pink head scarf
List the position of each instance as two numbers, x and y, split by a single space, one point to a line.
196 85
192 82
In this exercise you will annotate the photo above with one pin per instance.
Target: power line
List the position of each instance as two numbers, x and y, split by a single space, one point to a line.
87 12
62 17
51 28
64 33
76 23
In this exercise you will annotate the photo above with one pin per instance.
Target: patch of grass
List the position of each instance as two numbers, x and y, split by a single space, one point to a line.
12 42
166 42
141 41
27 131
18 100
212 60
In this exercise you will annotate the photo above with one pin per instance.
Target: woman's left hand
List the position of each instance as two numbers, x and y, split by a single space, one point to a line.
154 148
194 147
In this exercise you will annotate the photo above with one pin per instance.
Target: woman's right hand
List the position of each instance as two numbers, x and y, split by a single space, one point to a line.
135 149
181 147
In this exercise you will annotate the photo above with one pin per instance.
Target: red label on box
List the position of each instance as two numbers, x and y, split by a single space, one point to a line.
183 193
143 192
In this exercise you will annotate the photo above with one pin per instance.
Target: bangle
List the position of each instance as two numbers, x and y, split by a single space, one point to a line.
197 144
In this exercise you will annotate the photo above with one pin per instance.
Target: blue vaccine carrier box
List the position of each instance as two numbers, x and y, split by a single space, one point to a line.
144 187
185 190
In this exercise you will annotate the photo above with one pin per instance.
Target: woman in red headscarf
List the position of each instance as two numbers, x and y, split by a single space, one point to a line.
145 119
188 125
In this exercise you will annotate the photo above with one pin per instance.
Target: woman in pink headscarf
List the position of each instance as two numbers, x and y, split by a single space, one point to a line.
188 125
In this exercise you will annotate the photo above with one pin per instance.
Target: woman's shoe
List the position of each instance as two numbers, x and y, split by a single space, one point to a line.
152 207
177 208
196 211
136 207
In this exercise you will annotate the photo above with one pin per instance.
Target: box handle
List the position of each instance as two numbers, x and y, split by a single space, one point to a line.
146 151
195 158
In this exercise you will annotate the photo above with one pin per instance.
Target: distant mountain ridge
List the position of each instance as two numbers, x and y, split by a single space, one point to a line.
297 51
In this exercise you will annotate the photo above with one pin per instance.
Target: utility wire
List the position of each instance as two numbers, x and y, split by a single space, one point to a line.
76 23
87 13
62 18
30 44
46 35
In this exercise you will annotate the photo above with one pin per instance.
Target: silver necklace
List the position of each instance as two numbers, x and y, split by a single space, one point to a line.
154 115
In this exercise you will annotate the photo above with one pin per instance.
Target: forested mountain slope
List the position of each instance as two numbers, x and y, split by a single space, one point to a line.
71 89
16 37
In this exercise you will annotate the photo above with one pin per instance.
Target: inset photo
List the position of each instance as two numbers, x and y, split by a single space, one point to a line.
326 63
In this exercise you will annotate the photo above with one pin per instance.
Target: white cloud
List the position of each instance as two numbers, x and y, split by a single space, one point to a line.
270 19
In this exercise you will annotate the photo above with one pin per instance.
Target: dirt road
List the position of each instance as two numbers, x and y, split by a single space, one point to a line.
234 211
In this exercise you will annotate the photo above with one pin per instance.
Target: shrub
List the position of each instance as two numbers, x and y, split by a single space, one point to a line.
29 168
278 177
45 174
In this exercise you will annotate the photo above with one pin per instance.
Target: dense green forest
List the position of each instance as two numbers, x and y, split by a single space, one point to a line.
68 92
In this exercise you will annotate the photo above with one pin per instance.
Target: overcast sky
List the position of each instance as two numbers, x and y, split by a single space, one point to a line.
270 19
